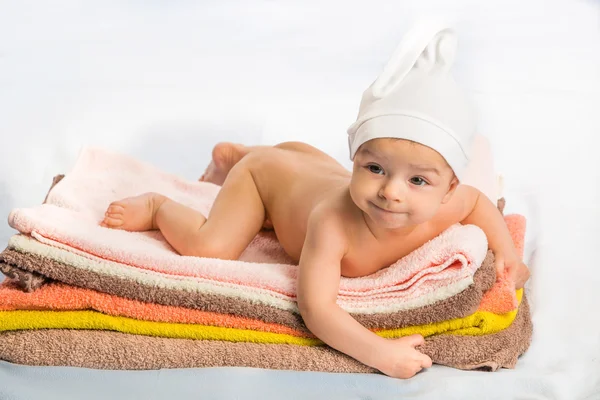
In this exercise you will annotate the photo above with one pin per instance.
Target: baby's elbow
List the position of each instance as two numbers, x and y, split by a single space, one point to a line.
304 306
312 311
309 316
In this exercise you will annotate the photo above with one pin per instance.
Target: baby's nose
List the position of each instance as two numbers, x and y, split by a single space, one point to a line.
393 191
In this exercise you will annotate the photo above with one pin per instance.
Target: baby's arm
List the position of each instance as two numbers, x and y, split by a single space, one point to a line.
318 285
480 211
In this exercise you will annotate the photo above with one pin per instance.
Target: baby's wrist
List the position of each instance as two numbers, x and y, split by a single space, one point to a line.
379 354
506 253
508 256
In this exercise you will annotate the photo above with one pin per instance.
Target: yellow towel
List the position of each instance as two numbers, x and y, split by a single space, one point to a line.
479 323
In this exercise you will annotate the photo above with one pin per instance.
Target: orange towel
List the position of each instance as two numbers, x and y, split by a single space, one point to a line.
499 299
60 297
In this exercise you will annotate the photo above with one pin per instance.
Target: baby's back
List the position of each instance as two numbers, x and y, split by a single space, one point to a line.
293 178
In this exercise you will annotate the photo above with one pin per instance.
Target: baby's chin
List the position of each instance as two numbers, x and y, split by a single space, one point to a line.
390 220
400 224
400 221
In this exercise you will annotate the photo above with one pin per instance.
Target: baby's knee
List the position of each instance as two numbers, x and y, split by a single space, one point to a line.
206 247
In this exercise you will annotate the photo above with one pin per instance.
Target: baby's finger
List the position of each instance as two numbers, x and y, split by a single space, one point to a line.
514 276
426 361
415 340
522 278
514 273
519 284
500 268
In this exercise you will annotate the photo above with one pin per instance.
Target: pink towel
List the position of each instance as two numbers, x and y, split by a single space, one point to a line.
70 217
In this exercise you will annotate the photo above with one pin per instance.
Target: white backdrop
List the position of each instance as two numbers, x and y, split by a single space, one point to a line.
166 80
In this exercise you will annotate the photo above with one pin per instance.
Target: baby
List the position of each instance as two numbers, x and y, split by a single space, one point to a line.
410 149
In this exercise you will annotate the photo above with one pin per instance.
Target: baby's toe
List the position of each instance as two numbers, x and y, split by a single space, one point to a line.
113 216
111 222
115 208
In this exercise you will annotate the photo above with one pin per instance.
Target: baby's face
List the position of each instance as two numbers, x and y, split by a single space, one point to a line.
399 183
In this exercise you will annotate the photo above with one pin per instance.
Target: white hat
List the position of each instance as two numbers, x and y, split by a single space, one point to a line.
415 98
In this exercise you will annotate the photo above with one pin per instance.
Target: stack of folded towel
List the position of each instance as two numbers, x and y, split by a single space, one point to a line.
82 295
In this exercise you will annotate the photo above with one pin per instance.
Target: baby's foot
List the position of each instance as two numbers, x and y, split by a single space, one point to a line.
133 214
224 157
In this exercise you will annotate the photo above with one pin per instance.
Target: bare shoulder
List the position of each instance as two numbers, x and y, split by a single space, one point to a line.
459 206
324 248
326 227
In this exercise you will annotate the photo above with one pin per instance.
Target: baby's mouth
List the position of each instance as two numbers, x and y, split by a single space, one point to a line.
385 210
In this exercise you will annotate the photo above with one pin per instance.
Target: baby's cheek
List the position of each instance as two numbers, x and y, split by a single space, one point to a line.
424 210
357 196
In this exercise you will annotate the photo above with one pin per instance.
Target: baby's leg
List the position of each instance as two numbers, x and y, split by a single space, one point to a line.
225 155
236 217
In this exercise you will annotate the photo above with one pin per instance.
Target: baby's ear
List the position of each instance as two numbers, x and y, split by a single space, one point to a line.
451 189
429 45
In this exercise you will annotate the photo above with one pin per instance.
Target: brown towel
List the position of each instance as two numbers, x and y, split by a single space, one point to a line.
458 306
114 350
28 281
25 280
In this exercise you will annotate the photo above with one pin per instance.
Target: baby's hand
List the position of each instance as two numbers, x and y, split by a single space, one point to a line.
398 358
513 269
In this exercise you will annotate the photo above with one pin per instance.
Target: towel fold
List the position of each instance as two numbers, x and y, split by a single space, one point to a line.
23 279
114 350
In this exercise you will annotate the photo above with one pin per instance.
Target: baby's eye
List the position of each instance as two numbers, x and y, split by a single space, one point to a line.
376 169
417 180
